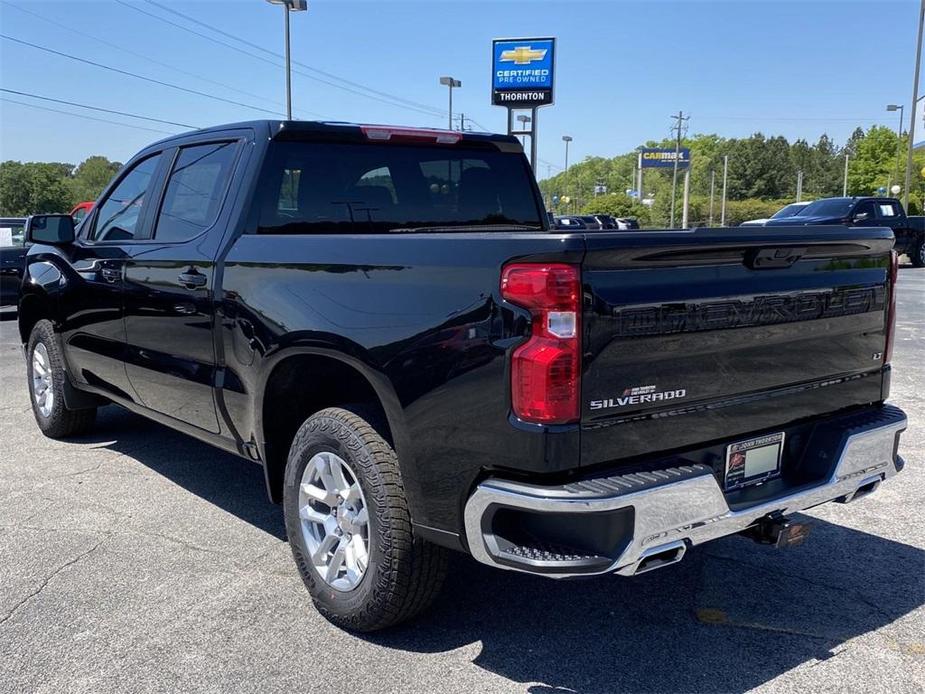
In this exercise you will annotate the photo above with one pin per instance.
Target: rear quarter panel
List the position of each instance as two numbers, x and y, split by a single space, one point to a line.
421 317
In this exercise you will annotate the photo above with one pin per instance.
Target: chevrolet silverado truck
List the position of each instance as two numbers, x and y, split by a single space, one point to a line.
866 212
382 320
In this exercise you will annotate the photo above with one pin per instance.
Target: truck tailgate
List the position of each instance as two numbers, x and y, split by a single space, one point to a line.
698 336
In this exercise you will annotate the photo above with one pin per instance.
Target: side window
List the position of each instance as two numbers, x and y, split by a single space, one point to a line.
888 210
866 207
119 213
289 191
194 191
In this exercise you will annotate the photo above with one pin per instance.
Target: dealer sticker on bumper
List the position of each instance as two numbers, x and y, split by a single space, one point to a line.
754 460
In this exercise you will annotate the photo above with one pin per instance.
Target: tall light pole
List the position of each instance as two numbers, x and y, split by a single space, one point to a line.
915 98
899 133
289 6
566 139
722 219
844 190
451 83
712 188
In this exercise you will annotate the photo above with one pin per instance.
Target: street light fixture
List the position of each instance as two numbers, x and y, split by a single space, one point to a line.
899 133
566 139
450 82
524 120
289 6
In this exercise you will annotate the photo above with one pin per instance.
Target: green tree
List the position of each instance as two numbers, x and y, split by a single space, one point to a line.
91 176
34 187
874 161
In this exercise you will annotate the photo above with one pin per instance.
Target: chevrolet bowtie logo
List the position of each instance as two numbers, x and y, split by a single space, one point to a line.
523 55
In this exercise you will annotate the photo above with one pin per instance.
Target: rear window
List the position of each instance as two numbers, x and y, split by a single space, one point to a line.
345 188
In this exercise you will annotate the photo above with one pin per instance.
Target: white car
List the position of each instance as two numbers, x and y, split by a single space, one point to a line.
791 210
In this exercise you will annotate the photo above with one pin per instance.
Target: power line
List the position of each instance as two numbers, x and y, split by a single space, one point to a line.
432 113
791 118
85 35
97 108
409 102
137 76
84 116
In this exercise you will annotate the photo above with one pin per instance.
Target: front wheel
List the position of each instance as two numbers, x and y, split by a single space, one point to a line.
46 375
350 528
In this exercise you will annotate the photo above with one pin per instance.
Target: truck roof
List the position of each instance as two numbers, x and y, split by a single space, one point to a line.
294 129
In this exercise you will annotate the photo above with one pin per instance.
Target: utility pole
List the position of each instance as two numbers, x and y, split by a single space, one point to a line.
641 194
681 118
712 188
566 139
915 98
844 190
799 185
722 219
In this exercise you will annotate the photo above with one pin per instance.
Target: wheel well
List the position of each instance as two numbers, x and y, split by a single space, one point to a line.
298 387
32 309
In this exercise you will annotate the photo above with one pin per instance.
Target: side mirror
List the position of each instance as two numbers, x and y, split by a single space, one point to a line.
51 229
860 217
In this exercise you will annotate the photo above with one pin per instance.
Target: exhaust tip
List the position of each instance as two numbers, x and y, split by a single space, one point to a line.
658 557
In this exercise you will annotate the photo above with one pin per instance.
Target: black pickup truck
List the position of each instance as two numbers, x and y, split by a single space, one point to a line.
865 212
382 319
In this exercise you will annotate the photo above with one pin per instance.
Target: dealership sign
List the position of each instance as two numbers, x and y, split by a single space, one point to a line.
653 158
522 72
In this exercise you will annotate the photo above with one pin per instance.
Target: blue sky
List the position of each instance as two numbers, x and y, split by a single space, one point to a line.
793 68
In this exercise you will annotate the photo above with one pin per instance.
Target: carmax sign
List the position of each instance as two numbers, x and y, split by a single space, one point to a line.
653 158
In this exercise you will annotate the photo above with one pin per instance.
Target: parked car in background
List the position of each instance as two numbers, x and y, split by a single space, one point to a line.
791 210
606 221
570 222
12 258
81 210
866 212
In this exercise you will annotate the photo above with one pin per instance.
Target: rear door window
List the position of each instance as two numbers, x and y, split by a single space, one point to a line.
377 188
195 190
888 210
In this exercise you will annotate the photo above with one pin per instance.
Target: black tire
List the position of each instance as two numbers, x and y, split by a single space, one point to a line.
404 573
917 255
60 421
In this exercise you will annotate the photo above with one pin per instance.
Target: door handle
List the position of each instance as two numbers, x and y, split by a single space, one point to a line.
192 280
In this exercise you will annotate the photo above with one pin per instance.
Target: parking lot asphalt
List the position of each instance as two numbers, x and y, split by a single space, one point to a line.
140 560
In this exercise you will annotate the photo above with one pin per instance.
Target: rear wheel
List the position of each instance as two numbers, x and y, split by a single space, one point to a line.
917 256
349 526
46 374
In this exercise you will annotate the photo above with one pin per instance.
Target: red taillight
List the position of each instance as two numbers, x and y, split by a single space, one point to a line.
545 370
891 308
384 133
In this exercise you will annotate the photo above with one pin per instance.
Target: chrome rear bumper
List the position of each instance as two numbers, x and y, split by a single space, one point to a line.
666 511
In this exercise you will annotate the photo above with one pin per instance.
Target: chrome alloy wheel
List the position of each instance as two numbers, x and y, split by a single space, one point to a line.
335 521
43 390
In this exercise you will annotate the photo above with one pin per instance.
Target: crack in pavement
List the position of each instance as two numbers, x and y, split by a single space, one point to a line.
47 580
